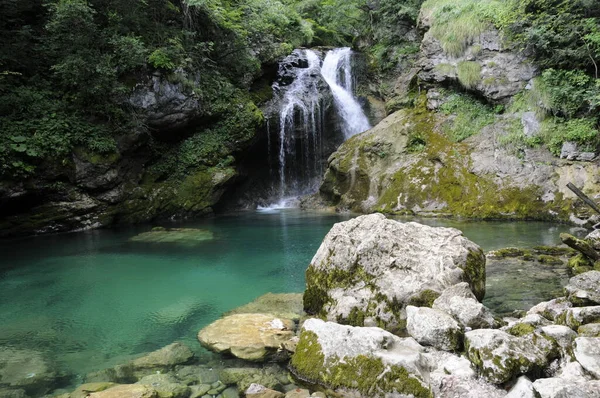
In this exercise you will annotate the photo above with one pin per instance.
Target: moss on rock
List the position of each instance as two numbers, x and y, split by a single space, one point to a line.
368 375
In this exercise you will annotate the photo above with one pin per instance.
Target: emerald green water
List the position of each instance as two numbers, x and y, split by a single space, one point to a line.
90 300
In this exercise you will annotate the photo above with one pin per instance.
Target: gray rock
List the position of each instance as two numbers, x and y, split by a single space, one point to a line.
433 328
258 391
500 356
401 262
589 330
584 288
165 358
244 377
569 150
594 238
551 309
522 389
575 317
370 360
587 353
563 388
563 335
165 104
531 125
461 303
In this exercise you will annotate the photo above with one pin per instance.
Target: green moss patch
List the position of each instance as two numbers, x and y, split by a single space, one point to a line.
370 376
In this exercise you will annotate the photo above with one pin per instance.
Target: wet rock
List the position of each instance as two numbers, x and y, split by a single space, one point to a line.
183 236
166 386
243 378
199 390
197 374
253 337
589 330
258 391
433 328
86 389
26 370
10 393
584 289
587 353
283 305
230 392
500 356
165 358
367 360
370 268
126 391
461 303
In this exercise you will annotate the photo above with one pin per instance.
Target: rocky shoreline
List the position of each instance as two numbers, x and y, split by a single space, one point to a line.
392 309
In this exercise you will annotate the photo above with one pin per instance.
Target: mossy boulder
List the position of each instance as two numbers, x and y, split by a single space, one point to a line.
354 360
433 328
584 289
575 317
370 268
500 356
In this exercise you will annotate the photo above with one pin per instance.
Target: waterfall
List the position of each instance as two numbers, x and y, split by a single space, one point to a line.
299 110
337 73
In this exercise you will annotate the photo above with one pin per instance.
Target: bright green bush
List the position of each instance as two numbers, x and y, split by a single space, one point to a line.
469 116
469 73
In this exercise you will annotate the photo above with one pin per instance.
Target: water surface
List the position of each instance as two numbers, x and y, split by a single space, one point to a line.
89 300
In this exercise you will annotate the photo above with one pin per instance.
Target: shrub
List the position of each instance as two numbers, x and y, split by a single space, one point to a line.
469 73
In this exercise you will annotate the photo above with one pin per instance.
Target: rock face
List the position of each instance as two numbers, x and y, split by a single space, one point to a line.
165 104
433 328
500 356
369 361
253 337
369 268
386 169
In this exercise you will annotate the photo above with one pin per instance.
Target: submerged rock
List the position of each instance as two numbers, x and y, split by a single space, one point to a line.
26 370
184 236
259 391
368 269
165 358
126 391
283 305
253 337
363 360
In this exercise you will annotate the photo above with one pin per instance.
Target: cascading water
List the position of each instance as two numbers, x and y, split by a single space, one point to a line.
337 73
312 104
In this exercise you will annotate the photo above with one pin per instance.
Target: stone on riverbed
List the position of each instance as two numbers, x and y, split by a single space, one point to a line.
460 302
253 337
433 328
500 356
182 236
27 370
365 360
165 358
369 268
165 385
259 391
126 391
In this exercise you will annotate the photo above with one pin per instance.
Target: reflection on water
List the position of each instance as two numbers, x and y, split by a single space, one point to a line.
90 299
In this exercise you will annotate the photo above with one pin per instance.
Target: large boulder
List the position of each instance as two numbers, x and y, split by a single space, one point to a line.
370 268
500 356
360 360
253 337
462 304
433 328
